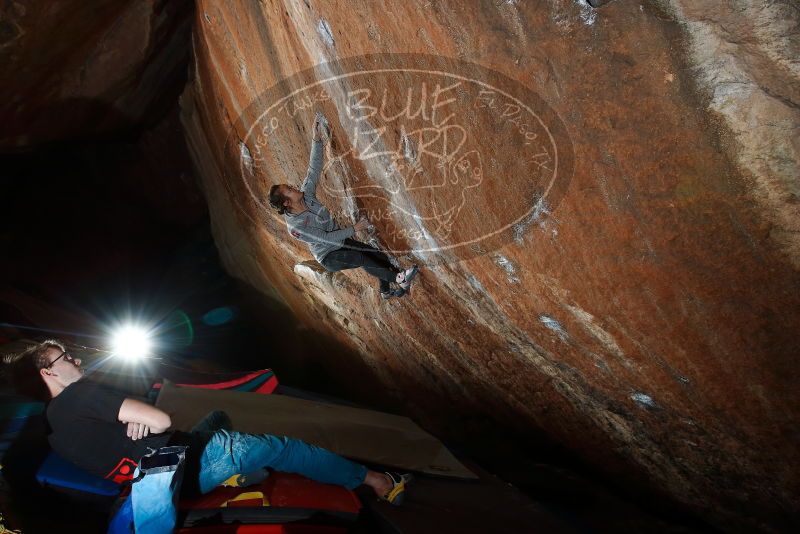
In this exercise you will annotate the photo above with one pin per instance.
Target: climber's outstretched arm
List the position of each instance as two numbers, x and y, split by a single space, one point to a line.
309 186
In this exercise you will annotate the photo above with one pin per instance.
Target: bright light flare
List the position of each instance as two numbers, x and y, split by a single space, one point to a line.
131 342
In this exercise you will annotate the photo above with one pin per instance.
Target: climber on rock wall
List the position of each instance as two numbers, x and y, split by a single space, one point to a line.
333 247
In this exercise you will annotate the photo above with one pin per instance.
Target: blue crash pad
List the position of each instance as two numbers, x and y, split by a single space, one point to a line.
56 471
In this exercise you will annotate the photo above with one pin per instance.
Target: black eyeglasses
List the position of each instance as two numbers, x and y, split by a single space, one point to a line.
64 354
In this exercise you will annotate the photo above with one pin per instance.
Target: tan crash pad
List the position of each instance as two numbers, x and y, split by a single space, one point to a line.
363 435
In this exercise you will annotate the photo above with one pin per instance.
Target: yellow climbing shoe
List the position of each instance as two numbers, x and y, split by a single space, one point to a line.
396 495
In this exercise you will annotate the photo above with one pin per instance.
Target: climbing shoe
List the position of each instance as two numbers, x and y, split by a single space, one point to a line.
408 275
397 292
397 494
249 479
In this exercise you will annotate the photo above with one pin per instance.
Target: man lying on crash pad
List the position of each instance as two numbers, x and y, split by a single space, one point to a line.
106 432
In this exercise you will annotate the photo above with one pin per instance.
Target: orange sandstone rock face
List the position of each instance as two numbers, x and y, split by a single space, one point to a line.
598 260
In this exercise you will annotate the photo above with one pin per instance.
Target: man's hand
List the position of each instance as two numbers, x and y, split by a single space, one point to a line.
362 224
136 411
320 130
137 431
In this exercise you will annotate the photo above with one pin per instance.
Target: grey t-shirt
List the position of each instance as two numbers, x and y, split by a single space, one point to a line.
316 226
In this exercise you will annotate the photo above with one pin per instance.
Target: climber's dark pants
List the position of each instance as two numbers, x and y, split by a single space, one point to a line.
354 254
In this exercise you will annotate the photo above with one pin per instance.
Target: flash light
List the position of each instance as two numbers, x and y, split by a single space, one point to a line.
131 342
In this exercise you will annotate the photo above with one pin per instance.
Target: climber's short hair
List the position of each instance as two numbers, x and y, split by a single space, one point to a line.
23 368
277 199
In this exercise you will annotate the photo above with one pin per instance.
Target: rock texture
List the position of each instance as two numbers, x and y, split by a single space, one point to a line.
74 68
746 60
646 317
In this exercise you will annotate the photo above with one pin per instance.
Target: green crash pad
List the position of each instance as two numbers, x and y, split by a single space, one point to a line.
364 435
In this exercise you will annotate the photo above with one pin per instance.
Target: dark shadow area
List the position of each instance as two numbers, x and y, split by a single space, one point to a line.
34 507
130 94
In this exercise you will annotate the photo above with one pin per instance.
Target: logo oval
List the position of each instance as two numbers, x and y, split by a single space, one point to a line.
448 159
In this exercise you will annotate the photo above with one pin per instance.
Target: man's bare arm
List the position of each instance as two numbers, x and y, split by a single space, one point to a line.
136 411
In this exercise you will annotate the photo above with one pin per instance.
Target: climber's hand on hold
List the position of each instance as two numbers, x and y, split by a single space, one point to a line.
320 131
362 224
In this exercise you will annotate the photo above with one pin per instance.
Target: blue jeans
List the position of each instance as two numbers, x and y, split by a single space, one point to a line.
229 453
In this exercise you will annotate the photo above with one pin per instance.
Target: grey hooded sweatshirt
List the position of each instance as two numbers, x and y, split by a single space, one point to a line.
316 226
